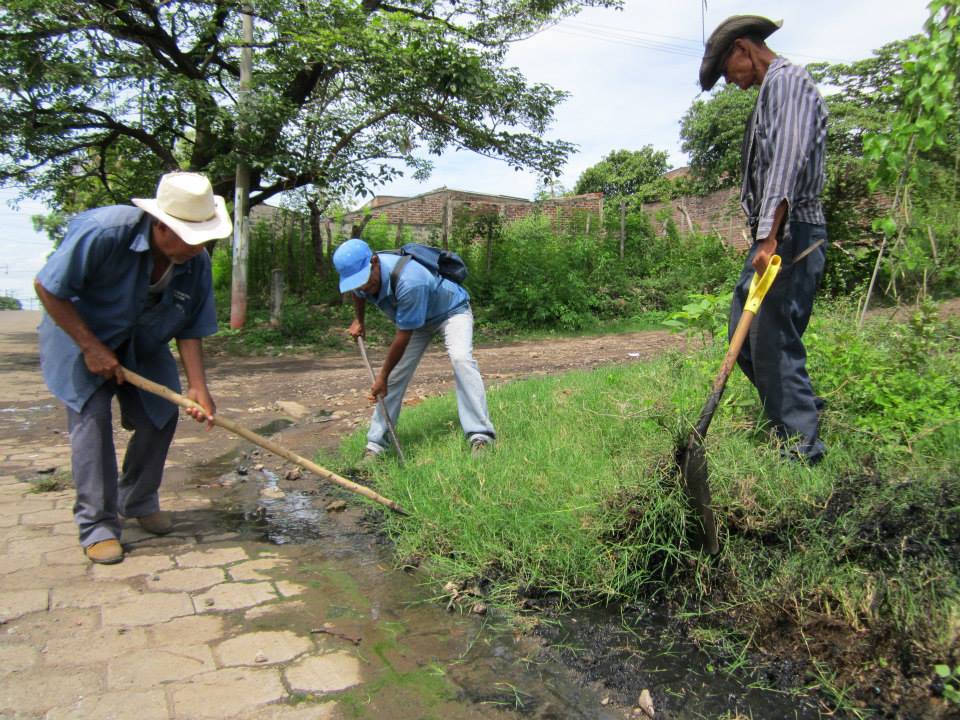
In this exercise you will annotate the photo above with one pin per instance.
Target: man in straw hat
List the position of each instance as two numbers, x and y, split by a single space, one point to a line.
123 283
783 175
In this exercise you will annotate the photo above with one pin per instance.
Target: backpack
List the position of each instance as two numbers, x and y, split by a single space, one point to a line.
445 263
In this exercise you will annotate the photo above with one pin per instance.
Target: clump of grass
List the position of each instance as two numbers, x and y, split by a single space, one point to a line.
580 497
54 482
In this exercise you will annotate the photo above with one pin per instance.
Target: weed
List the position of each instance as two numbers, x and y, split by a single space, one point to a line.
59 480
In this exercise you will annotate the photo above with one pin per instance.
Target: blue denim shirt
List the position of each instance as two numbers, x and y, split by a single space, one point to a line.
103 266
420 299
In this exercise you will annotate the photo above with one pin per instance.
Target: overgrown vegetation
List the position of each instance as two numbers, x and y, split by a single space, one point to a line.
850 562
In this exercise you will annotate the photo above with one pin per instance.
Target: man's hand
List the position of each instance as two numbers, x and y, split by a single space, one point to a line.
357 329
766 249
202 397
101 360
378 390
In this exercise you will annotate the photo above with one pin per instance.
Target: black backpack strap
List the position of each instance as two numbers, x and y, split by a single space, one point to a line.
397 269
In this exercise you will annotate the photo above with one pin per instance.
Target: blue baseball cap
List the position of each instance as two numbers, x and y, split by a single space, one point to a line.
352 261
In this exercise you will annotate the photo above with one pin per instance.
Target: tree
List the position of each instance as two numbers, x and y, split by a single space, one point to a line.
711 132
623 172
98 98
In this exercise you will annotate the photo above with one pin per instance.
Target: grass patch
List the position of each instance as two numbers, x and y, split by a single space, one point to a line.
54 482
851 562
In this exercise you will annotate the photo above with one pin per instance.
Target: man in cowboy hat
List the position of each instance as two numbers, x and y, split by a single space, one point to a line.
123 283
783 175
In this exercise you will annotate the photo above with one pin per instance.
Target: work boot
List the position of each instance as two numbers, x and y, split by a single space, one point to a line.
105 552
158 523
370 457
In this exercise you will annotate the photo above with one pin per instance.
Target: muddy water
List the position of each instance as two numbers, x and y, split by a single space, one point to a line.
589 664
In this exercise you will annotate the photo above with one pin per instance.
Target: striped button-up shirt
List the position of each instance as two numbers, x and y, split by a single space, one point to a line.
784 149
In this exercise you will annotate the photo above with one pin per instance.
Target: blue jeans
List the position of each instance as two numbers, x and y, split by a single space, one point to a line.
773 356
101 495
471 396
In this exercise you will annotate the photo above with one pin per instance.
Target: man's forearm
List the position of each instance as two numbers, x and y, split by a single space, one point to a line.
65 315
359 308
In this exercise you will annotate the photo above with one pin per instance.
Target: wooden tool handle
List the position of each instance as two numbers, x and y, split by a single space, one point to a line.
277 449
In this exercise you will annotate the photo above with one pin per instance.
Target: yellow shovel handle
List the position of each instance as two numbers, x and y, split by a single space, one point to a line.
759 285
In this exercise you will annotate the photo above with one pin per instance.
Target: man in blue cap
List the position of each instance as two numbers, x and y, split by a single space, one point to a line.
123 283
783 175
420 303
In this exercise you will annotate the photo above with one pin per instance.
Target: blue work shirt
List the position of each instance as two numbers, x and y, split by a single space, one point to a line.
421 298
103 266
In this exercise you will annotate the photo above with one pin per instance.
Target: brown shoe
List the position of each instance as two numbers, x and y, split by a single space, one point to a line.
158 523
105 552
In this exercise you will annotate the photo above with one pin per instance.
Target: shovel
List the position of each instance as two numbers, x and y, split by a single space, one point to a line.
380 403
691 458
277 449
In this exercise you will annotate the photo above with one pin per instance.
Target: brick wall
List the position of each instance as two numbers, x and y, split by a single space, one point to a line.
718 212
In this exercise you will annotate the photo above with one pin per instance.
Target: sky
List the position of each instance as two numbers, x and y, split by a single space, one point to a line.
631 75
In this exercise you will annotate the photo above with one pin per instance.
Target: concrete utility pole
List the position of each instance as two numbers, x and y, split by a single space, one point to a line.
241 198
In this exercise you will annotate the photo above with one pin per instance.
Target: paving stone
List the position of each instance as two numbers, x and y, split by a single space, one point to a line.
21 602
324 673
68 556
96 646
149 609
195 629
40 545
234 596
289 589
36 691
183 503
226 693
17 656
37 628
7 520
256 569
46 517
134 565
14 563
28 504
14 488
156 666
212 557
287 607
188 579
66 528
43 576
262 648
146 705
93 593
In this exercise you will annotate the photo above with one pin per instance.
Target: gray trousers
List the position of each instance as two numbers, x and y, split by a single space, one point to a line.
773 356
100 497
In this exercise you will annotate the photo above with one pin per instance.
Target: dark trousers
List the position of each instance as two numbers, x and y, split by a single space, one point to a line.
100 497
773 356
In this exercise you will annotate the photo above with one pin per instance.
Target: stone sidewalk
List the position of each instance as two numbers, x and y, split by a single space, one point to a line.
163 634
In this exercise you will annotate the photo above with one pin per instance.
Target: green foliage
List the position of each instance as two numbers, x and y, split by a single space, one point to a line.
9 303
97 100
581 497
951 682
711 133
623 172
705 314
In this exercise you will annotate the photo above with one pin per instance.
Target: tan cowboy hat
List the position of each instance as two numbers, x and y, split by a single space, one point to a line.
186 204
736 26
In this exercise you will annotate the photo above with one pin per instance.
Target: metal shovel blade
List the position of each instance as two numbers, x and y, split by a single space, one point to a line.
693 468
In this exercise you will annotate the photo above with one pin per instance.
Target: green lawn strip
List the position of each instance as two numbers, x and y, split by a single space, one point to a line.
580 496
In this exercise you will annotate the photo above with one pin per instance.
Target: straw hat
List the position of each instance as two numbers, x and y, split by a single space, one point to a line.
186 204
736 26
